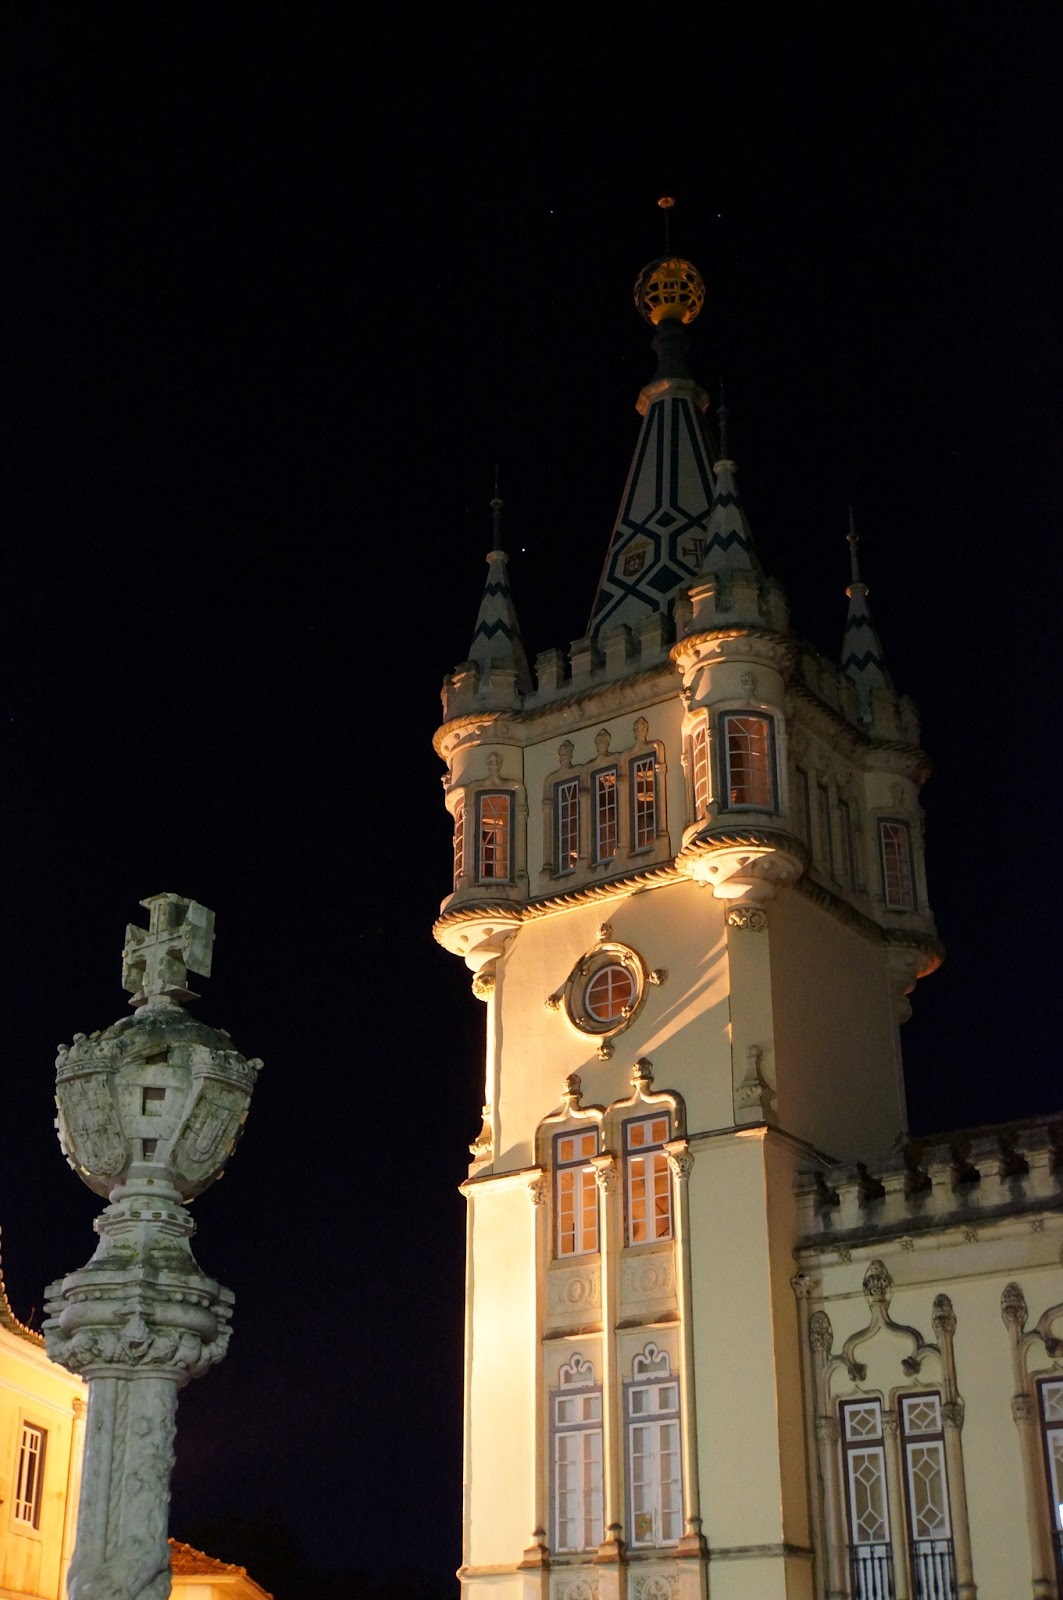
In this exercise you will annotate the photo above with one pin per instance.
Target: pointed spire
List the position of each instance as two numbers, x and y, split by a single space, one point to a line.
863 659
661 527
728 541
496 641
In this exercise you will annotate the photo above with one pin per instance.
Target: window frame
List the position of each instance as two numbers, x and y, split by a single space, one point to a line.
653 1421
581 1385
658 1168
727 719
30 1465
1050 1429
637 809
572 784
892 901
459 842
487 795
600 789
580 1169
700 771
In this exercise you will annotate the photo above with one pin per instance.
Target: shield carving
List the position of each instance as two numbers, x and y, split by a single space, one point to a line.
634 561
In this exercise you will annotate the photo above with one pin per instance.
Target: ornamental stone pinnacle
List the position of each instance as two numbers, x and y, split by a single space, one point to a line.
149 1111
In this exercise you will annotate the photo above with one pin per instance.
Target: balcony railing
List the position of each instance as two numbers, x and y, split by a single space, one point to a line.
933 1570
872 1571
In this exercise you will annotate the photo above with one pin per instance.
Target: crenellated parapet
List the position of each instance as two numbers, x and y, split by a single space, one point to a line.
962 1181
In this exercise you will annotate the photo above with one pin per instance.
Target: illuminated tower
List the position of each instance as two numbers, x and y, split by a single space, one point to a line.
688 880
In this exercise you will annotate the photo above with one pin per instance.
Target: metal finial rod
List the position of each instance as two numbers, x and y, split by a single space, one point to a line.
854 539
666 202
496 513
721 412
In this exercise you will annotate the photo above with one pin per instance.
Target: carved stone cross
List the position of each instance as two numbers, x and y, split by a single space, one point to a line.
178 940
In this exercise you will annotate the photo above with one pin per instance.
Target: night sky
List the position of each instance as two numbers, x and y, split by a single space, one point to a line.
280 285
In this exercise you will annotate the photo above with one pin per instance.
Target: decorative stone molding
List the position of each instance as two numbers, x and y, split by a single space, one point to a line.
537 1187
650 1277
754 1092
753 919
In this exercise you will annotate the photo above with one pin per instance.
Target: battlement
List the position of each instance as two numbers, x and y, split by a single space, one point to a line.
956 1180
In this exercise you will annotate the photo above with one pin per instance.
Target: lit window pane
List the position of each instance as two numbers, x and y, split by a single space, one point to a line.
494 812
896 846
606 815
643 802
567 804
749 766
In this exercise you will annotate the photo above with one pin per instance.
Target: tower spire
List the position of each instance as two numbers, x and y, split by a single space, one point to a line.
662 523
863 659
728 541
496 641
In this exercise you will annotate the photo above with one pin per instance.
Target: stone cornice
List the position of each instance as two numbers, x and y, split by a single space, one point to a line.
598 699
779 647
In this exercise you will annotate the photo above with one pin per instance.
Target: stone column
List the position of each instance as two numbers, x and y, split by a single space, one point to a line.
149 1112
1023 1410
944 1321
611 1553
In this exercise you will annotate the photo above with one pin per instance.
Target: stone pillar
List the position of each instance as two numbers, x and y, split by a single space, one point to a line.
1023 1410
611 1554
149 1112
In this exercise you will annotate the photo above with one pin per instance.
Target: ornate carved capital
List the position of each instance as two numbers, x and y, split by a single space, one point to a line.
952 1414
483 983
537 1190
1021 1407
827 1430
605 1171
750 918
943 1319
802 1285
820 1332
680 1159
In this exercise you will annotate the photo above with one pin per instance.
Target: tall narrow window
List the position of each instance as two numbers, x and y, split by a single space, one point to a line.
871 1560
653 1451
459 842
749 760
699 749
1051 1395
643 802
577 1458
648 1180
802 806
895 843
929 1527
826 829
606 814
576 1193
29 1478
566 810
845 817
495 836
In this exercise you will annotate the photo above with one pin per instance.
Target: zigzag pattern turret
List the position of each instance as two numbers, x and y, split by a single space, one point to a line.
496 640
729 544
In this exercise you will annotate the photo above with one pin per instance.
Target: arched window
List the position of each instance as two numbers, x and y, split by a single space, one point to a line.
576 1424
895 846
575 1192
647 1179
494 831
749 761
653 1446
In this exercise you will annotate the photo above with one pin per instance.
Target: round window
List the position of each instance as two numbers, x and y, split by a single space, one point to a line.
609 994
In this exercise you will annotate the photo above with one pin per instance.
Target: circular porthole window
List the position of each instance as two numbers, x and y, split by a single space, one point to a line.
608 996
604 990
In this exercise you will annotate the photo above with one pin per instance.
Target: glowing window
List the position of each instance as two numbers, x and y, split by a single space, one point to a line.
749 761
29 1478
576 1193
606 814
643 802
648 1180
699 744
566 802
609 993
494 812
895 845
459 843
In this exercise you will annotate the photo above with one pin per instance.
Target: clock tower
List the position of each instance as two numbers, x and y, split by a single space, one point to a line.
688 882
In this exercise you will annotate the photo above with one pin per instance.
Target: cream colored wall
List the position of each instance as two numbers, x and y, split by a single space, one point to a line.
34 1390
753 1486
501 1355
683 1026
973 1274
837 1050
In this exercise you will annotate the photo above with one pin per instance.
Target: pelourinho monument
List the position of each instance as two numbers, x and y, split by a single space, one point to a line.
150 1110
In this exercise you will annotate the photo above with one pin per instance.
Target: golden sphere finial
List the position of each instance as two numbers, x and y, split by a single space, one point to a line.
669 290
666 202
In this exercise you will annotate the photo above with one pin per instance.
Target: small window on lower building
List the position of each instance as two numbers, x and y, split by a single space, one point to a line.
29 1478
648 1179
895 846
495 832
749 761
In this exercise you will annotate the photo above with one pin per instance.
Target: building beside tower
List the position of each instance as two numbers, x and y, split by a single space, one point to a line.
727 1329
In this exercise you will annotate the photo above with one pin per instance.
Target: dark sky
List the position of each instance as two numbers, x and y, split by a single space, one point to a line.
280 284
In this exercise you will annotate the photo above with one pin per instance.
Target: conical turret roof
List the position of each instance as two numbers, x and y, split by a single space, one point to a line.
496 640
661 527
863 659
729 543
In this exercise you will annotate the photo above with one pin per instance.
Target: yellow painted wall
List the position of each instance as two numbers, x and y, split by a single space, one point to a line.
34 1390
